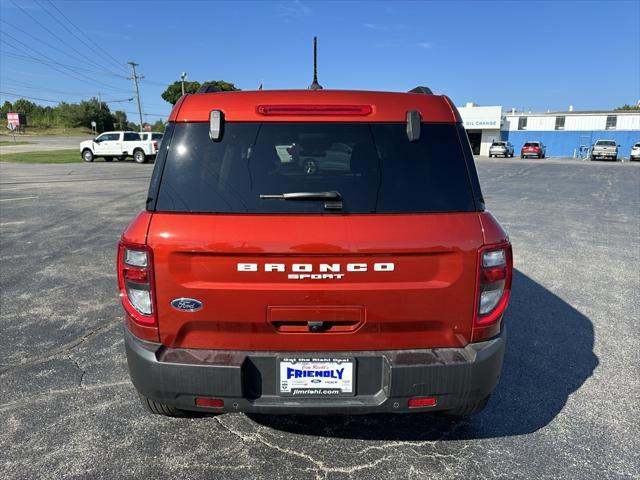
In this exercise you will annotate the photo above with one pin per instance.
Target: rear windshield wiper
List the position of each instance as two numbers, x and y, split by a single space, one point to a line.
332 199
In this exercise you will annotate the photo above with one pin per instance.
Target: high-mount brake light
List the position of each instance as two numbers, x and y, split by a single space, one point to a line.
135 281
494 283
314 110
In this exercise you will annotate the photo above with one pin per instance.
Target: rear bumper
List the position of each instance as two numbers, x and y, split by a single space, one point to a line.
247 381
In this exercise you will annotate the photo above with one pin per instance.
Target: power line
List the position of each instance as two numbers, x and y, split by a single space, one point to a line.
18 87
120 65
148 114
20 84
30 98
101 71
57 101
30 57
67 44
73 75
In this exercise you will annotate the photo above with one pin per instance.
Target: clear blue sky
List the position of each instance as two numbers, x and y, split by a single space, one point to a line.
529 55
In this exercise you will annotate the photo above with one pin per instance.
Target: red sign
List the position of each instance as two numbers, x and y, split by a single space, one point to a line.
13 119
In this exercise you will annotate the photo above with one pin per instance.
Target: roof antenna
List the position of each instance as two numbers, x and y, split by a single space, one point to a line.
315 85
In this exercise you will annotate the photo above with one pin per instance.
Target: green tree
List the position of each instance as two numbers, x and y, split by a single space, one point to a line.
224 86
120 120
5 108
174 91
25 106
628 107
159 126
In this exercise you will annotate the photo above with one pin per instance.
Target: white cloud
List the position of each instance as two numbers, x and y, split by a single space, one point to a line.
295 9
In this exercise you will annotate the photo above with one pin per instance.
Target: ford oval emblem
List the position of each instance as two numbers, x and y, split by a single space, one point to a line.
186 304
315 380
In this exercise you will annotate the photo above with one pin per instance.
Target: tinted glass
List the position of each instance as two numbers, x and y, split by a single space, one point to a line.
606 143
532 144
156 136
131 137
373 166
498 144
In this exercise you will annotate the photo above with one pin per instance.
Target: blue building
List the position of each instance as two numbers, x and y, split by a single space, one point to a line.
563 133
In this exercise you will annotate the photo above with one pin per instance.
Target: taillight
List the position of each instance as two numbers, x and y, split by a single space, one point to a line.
154 144
495 265
135 281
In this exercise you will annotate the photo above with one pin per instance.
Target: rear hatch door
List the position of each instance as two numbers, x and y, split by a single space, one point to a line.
401 281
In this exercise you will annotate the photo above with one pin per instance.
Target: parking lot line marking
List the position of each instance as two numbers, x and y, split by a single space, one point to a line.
14 199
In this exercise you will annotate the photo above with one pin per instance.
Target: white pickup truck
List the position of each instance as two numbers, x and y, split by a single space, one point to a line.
119 145
605 149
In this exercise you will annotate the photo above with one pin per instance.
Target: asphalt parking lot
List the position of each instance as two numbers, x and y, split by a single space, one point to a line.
41 143
566 406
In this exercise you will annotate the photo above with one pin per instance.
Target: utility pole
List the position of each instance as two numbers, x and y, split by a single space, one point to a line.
182 77
99 101
135 81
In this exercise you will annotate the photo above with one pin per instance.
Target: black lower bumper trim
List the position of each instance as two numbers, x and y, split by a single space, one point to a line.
247 381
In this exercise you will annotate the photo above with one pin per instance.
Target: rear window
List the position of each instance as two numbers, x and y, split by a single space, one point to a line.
532 144
156 136
606 143
374 167
498 144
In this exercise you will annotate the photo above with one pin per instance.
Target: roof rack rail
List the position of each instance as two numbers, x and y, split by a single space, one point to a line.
423 90
208 88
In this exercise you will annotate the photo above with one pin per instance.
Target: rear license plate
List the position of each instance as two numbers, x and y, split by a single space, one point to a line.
316 377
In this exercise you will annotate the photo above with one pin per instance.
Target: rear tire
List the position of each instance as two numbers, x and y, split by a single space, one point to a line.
469 409
87 155
160 408
139 156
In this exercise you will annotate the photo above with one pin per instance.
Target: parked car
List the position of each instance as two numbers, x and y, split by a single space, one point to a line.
635 152
504 149
118 145
306 252
533 149
604 150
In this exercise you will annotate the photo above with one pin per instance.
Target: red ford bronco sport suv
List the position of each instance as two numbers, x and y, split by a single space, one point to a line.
314 252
